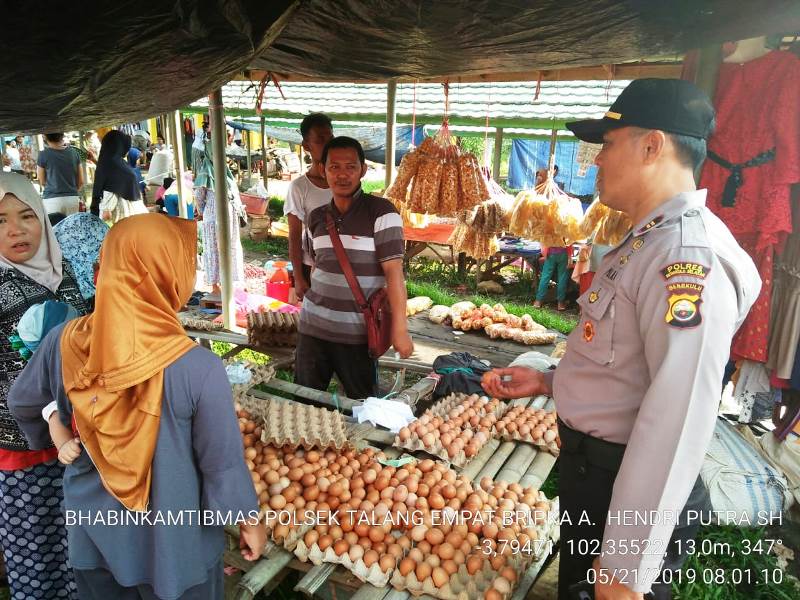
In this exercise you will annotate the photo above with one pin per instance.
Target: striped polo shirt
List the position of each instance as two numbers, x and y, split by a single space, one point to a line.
372 233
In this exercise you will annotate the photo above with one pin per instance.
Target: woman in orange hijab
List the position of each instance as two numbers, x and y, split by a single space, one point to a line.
154 414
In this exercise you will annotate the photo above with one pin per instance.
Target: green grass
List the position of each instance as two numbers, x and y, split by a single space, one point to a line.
220 348
372 186
274 246
733 563
550 485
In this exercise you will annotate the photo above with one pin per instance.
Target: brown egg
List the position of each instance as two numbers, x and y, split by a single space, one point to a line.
336 532
434 536
440 577
369 476
324 542
418 533
436 501
426 465
376 535
416 555
510 574
424 547
280 532
351 538
277 502
427 440
498 561
395 550
336 489
311 538
387 562
370 558
433 560
406 566
340 547
492 594
451 566
502 585
445 551
474 563
423 571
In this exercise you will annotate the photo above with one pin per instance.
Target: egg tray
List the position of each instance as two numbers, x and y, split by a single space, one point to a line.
272 328
451 401
294 537
289 423
261 374
194 319
372 574
415 444
551 447
461 585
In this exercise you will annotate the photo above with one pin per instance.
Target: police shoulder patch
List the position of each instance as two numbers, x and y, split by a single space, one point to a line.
683 305
689 269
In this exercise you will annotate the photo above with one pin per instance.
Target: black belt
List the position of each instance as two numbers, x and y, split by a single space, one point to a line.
736 178
603 454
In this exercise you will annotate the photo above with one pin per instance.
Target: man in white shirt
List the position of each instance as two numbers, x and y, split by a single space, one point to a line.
307 192
12 152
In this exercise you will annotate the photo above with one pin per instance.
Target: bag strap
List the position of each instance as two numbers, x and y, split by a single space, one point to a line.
344 262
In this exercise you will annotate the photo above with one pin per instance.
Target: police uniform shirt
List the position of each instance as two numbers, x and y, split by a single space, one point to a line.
645 366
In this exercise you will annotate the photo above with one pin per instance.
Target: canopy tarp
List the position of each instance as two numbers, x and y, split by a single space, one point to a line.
74 65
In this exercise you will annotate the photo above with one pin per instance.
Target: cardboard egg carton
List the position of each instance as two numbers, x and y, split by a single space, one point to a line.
414 444
260 374
552 447
372 574
191 318
451 401
460 586
289 423
272 328
294 536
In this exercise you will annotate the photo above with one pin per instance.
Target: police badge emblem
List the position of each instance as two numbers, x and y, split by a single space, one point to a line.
683 309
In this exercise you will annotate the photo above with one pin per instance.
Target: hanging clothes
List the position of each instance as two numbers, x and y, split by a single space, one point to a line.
785 330
754 157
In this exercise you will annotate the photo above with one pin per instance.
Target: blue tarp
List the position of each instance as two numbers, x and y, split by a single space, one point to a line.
373 139
528 156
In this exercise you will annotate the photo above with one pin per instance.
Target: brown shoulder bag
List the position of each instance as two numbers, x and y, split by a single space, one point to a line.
377 312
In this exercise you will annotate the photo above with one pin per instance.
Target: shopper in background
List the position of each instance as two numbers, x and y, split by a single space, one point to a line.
115 194
304 195
333 335
59 173
32 271
154 426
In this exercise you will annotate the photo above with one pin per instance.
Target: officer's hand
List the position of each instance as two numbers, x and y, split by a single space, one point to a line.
252 540
607 588
521 383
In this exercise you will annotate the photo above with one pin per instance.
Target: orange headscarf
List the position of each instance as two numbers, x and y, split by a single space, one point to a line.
113 360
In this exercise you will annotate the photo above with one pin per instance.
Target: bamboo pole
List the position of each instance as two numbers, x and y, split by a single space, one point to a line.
315 579
249 160
518 463
540 468
479 461
84 168
496 462
218 130
176 126
264 174
498 153
391 129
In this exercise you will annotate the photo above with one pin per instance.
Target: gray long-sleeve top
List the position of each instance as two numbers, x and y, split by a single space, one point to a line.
198 466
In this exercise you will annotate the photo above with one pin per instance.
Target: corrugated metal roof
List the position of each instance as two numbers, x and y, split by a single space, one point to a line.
509 104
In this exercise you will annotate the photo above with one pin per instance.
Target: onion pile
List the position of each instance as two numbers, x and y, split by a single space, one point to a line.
533 425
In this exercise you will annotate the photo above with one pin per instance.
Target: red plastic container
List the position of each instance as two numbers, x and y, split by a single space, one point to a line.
254 205
279 284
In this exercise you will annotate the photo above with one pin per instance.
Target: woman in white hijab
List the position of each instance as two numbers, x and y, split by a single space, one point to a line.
32 271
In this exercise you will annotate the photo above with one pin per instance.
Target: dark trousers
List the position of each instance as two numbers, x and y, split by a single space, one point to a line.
99 584
317 360
587 469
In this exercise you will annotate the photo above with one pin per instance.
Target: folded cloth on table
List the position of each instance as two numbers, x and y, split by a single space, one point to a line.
391 414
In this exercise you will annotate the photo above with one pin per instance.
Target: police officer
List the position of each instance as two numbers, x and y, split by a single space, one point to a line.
638 389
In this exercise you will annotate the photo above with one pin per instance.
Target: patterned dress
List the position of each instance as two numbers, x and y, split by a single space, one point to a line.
32 532
204 198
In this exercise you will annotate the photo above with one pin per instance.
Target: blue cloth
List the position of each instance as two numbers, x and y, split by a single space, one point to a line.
198 465
80 237
528 156
171 206
39 319
794 382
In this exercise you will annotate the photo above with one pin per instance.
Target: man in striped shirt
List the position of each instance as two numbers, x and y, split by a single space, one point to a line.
333 336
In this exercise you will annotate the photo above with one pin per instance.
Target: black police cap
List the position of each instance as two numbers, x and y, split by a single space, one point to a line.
671 105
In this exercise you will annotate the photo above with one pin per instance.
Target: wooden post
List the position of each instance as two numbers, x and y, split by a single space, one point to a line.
218 135
391 131
246 137
264 175
498 153
84 168
175 126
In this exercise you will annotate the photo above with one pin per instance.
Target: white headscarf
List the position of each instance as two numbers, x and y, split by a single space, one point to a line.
45 266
